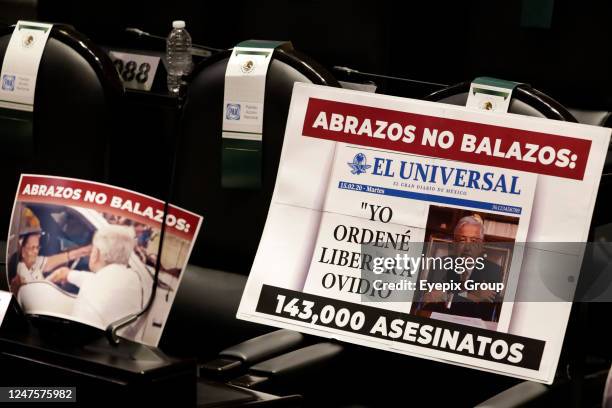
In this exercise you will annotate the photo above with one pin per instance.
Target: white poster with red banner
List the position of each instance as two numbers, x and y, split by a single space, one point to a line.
88 252
424 228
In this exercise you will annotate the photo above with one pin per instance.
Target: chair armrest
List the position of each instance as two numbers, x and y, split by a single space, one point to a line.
515 396
253 351
295 362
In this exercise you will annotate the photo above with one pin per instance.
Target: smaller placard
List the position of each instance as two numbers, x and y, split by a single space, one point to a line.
137 71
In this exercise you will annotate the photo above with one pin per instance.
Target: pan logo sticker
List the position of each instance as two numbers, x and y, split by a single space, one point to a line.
8 83
247 66
359 164
232 111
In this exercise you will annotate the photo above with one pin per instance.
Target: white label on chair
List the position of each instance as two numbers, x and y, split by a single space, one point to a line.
5 300
245 86
137 71
20 66
243 112
490 94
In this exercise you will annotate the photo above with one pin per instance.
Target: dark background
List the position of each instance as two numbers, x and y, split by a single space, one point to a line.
558 46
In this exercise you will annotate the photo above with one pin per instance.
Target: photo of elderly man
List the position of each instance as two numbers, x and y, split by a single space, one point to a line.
112 290
459 235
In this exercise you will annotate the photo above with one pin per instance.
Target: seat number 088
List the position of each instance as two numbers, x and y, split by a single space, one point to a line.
130 70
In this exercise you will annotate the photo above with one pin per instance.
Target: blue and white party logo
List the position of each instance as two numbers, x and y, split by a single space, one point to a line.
233 111
359 164
8 82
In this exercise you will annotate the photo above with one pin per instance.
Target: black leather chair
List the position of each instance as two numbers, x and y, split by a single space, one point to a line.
234 218
202 321
77 90
526 101
596 118
592 117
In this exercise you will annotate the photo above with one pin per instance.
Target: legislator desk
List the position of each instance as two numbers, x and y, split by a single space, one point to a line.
128 372
103 374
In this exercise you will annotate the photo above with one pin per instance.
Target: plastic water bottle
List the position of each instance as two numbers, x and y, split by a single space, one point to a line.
178 55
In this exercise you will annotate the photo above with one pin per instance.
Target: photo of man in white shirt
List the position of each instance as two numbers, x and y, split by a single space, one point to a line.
112 290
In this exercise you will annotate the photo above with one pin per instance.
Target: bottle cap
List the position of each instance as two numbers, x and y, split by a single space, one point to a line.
178 24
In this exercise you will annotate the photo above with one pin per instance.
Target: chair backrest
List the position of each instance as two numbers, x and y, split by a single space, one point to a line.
233 218
525 101
592 117
76 90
